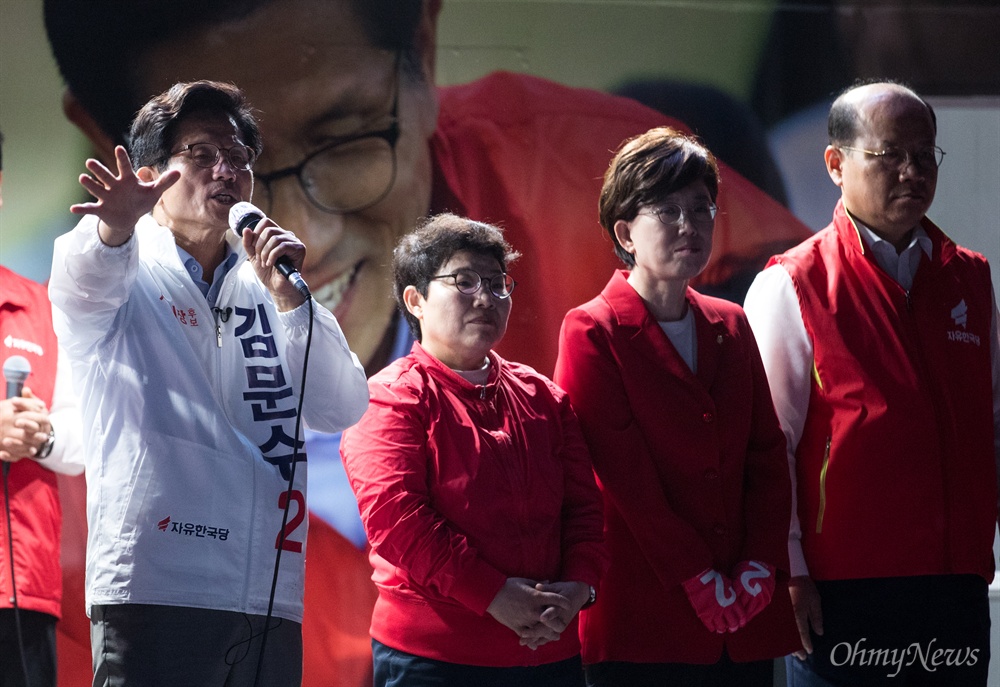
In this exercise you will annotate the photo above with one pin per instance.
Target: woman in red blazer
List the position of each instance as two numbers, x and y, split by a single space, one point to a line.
670 390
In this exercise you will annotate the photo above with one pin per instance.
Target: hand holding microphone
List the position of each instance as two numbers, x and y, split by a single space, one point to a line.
23 419
244 216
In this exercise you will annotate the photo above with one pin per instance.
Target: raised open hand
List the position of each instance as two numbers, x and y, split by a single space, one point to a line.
122 197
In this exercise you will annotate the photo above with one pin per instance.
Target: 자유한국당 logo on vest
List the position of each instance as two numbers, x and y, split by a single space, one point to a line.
23 345
960 316
192 529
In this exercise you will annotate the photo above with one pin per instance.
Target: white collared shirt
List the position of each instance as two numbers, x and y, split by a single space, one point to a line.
902 266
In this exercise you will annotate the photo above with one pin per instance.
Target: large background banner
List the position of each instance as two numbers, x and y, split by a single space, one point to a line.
741 73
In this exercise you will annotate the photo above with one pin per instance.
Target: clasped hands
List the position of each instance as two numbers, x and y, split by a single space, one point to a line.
538 612
727 603
24 426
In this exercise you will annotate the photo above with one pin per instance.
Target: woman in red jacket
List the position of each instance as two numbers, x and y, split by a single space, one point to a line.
474 484
674 405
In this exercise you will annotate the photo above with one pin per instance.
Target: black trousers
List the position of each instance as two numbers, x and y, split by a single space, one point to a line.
146 645
925 631
38 635
723 673
394 668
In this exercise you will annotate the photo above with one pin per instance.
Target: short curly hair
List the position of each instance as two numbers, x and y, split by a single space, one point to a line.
422 252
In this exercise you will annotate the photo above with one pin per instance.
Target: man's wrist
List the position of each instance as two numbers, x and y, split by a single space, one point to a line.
46 449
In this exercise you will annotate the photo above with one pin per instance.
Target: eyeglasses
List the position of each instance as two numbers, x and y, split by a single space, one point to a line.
470 281
346 175
930 157
208 154
673 214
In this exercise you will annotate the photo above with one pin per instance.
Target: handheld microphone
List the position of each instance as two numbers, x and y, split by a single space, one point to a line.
15 370
245 215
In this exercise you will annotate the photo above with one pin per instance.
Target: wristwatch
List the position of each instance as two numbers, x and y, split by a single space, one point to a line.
46 448
593 597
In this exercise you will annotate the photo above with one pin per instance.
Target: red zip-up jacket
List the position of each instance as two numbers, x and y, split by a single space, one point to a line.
896 471
462 486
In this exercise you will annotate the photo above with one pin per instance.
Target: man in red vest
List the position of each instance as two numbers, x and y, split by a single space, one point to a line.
39 436
880 339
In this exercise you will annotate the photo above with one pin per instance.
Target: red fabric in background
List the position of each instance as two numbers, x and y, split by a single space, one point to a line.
340 595
73 631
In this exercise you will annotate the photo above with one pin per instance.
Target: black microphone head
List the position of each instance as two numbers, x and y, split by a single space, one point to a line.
243 215
16 369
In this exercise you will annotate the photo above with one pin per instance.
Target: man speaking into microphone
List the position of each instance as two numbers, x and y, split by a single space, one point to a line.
189 347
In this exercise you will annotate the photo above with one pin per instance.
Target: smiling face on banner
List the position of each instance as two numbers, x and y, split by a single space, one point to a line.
329 104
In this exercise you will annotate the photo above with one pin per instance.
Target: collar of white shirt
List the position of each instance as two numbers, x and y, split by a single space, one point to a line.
901 266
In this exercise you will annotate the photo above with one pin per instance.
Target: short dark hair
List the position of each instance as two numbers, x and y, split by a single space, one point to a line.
648 168
842 123
99 45
151 137
421 253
